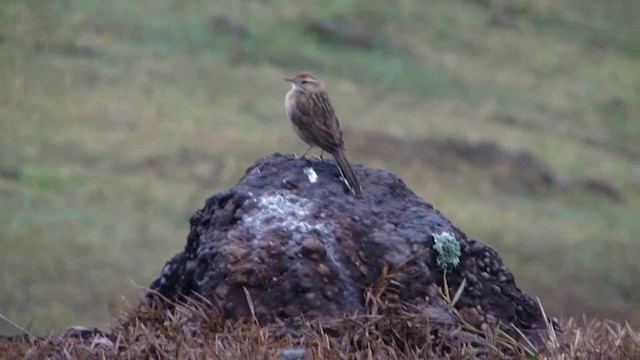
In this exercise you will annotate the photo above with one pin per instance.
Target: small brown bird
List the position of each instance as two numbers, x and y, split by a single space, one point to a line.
314 120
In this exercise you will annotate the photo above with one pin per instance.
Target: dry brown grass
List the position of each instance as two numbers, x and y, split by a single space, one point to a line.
389 329
399 333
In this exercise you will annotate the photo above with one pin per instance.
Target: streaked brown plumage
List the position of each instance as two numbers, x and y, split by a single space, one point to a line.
314 120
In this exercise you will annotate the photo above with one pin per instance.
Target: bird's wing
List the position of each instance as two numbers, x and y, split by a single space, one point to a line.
329 134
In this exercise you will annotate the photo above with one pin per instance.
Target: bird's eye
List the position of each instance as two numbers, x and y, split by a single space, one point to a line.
305 81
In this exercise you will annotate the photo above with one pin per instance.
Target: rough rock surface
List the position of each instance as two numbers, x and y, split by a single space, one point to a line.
291 236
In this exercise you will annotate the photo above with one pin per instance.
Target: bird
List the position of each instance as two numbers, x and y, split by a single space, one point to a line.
314 120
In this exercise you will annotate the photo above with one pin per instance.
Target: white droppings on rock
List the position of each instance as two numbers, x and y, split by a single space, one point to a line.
311 174
277 211
282 210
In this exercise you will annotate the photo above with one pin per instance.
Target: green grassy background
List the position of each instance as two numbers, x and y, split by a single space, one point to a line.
103 157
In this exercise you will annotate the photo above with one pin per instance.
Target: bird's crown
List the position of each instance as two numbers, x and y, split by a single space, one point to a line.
304 75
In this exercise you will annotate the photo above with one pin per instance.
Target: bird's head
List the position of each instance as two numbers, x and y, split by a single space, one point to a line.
304 81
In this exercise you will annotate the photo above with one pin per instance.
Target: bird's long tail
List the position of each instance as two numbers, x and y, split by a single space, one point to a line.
347 172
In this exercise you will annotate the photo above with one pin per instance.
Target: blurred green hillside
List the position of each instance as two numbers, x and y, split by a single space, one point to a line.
118 118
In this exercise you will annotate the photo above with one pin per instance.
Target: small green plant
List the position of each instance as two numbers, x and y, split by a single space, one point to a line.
448 249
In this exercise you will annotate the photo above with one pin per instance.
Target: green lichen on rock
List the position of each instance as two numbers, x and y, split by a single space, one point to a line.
448 249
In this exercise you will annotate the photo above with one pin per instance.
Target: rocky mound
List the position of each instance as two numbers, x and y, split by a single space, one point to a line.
289 240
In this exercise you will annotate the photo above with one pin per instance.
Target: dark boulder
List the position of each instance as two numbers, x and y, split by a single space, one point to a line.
289 238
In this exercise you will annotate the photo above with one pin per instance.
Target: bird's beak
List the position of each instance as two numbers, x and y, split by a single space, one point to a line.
288 79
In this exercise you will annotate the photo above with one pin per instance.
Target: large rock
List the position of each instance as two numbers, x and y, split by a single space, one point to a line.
291 236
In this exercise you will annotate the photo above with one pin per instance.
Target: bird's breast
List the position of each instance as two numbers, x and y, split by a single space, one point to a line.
290 102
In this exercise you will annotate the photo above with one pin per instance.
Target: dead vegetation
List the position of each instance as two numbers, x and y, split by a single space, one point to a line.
397 332
390 329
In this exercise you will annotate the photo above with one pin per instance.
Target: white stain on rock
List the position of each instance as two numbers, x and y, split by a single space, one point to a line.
311 174
278 211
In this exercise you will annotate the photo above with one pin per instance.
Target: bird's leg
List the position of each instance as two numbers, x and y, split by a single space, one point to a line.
305 153
321 152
